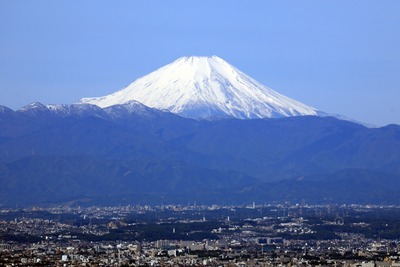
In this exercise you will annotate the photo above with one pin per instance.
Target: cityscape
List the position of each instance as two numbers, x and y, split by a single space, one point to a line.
200 133
284 234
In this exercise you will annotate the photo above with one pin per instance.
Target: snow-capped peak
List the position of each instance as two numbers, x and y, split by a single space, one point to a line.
205 87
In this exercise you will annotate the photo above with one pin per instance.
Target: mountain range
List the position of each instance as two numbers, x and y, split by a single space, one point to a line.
135 154
245 143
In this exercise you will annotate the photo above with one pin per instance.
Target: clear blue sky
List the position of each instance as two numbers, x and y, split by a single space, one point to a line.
338 56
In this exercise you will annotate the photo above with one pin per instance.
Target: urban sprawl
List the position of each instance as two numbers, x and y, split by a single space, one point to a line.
198 235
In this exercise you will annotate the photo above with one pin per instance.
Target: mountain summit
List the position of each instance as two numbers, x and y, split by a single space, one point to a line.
205 88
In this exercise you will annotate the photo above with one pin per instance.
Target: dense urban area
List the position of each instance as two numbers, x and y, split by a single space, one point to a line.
196 235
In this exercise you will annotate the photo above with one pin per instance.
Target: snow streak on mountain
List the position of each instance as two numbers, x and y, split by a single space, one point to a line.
205 88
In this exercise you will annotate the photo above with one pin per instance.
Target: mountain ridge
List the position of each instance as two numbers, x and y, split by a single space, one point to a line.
132 149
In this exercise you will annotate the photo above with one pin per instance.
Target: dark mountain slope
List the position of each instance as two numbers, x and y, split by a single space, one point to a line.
91 152
52 179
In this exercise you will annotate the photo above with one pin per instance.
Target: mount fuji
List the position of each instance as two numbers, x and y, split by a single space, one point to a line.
205 88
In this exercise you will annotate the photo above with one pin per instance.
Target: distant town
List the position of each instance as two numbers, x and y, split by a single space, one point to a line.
286 234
